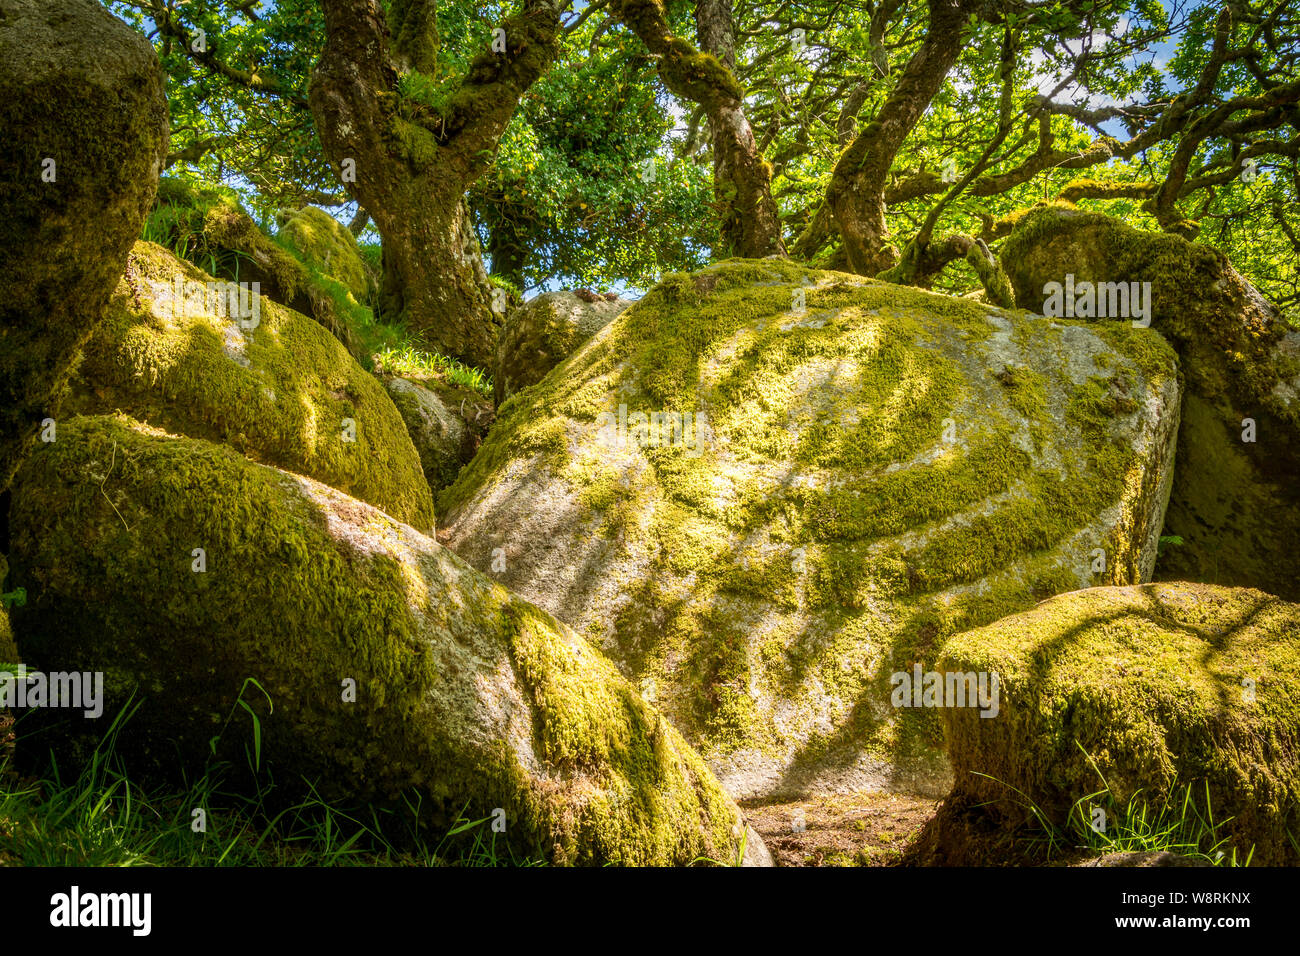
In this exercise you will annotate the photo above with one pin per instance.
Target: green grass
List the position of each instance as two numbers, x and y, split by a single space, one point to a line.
99 816
383 347
403 359
168 226
1183 823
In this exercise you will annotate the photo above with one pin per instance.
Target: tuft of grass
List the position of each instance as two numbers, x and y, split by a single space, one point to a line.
1182 823
101 817
402 359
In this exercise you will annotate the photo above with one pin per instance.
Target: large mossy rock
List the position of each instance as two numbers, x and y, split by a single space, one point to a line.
543 332
1235 502
214 229
466 698
282 392
8 650
446 423
1146 689
870 474
83 135
322 242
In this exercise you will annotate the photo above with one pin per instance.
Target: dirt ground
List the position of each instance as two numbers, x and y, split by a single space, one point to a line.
860 829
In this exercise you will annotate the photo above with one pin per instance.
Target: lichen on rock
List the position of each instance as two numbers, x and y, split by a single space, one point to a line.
1235 505
1143 691
284 392
840 473
543 332
467 699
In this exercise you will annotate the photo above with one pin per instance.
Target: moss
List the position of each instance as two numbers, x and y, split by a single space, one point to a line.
541 334
213 228
589 719
992 277
871 485
322 242
210 228
1027 392
279 393
1197 300
468 699
1233 503
8 649
152 513
101 118
1233 524
1145 687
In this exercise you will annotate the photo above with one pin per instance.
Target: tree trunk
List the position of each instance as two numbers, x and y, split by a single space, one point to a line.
433 268
742 180
856 194
410 168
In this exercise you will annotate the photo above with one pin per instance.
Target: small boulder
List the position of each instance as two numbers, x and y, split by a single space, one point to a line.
545 331
1143 691
322 242
446 423
283 391
385 666
83 136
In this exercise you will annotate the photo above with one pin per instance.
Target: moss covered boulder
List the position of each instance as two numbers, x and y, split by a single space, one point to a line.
446 423
385 666
543 332
211 227
1236 501
83 135
322 242
277 388
1145 690
763 490
8 650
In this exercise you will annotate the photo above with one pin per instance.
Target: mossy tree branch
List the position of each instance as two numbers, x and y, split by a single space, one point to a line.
742 179
412 169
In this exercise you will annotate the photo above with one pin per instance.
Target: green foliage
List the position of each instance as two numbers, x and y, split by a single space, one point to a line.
101 816
569 197
407 360
565 199
1181 821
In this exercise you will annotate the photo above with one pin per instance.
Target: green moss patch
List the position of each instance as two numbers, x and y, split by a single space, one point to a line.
322 242
829 475
285 393
1139 689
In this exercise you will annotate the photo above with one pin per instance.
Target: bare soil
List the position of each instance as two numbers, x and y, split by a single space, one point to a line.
858 829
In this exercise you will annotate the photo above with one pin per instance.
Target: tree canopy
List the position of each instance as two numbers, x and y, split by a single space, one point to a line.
604 143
